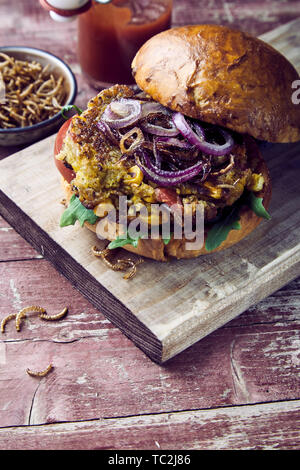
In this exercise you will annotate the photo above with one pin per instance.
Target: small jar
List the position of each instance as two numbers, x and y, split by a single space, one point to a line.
110 34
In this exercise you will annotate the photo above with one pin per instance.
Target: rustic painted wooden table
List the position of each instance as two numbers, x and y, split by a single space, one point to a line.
238 388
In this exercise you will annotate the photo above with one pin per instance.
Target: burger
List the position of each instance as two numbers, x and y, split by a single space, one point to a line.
186 136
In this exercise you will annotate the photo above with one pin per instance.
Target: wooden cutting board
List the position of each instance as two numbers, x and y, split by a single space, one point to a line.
167 307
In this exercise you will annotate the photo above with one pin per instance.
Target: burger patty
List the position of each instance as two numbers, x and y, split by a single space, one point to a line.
102 172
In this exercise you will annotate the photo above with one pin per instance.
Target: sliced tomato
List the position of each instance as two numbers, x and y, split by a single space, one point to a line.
168 196
67 173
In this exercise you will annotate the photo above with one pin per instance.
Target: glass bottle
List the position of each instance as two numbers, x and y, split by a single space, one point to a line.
111 32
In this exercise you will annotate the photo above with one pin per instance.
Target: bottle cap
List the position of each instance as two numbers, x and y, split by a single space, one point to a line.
65 10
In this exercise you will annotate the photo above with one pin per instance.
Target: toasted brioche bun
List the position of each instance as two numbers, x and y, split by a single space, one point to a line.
221 76
156 249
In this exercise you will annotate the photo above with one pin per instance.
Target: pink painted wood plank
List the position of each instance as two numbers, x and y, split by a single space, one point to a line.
255 17
260 16
12 245
269 426
99 372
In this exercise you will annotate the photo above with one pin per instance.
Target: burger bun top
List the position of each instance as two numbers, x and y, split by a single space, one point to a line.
221 76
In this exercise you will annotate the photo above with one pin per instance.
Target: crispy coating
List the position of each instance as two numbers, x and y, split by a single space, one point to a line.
102 173
156 249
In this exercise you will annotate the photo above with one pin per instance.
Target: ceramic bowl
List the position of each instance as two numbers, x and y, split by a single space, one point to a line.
27 135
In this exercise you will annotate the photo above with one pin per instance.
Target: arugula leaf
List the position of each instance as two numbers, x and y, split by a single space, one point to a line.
67 108
256 205
220 230
167 240
77 211
121 241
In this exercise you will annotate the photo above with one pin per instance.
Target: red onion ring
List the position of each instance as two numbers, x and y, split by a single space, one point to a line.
174 142
106 130
198 138
162 177
159 130
156 154
152 107
137 141
122 113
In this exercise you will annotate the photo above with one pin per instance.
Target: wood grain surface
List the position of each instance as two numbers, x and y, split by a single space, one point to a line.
257 427
238 388
167 307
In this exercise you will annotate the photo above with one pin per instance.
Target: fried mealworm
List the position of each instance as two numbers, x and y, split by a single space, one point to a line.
225 186
100 253
19 318
6 319
226 169
129 263
41 373
32 93
120 265
22 314
58 316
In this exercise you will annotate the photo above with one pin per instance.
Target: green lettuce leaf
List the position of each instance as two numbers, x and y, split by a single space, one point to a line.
76 211
125 239
256 204
220 230
121 241
167 240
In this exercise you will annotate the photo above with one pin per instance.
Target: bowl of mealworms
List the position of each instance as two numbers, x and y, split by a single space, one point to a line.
34 87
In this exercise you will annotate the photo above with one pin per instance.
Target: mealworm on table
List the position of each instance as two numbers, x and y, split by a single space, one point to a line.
40 373
19 318
6 319
58 316
22 314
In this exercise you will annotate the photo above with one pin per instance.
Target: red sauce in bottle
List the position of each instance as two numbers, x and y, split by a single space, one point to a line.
110 35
